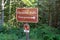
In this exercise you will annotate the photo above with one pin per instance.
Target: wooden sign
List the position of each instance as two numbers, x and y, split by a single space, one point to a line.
29 15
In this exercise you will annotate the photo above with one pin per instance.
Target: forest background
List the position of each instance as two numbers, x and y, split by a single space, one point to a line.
48 27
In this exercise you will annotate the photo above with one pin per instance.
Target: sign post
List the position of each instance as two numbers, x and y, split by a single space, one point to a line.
26 30
27 15
27 36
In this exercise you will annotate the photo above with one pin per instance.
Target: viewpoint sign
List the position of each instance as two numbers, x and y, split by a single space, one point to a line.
29 15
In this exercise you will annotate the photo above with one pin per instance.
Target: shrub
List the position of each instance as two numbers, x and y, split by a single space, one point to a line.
41 32
8 36
44 32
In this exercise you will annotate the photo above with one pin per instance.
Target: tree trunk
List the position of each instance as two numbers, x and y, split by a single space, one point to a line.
2 11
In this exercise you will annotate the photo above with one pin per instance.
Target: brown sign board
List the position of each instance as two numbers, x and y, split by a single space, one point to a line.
29 15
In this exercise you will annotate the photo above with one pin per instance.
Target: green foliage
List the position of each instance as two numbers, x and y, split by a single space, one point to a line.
8 29
41 32
27 2
44 32
8 36
31 3
11 30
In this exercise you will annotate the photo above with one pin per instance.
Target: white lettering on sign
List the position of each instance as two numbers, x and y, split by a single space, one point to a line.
27 17
26 12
